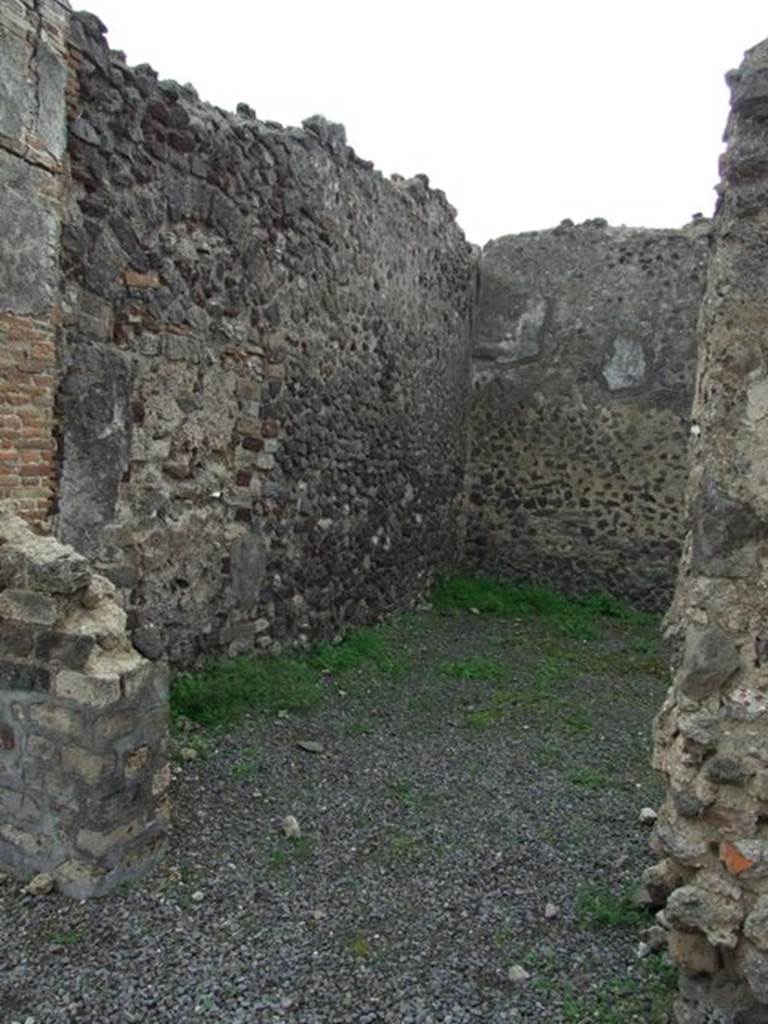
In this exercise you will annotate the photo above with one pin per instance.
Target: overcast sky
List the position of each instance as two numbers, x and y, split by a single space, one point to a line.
524 113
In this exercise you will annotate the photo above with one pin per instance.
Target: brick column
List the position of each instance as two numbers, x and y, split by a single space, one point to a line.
33 75
711 735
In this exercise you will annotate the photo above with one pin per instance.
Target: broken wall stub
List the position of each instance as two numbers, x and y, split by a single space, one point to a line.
33 71
264 368
584 358
83 723
711 736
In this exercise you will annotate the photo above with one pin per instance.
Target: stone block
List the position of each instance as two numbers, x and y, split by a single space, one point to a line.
91 691
64 649
27 606
136 761
147 685
94 406
754 964
29 228
109 728
692 952
88 766
21 676
248 556
19 807
50 129
16 639
756 924
16 102
56 720
726 770
161 780
710 907
41 748
78 879
709 661
99 843
145 850
35 844
724 529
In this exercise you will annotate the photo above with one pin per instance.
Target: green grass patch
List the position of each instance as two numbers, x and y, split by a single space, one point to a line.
360 727
590 778
644 998
298 848
482 719
364 647
401 789
249 764
222 692
421 702
474 667
574 617
70 937
602 908
359 946
578 720
226 690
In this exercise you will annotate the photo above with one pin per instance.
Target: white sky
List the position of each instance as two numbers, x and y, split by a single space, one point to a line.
524 113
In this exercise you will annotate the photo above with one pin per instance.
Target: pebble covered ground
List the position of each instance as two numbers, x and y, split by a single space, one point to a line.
469 816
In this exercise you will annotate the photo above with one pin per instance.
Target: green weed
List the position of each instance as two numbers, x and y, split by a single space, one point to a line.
249 765
402 845
297 848
474 667
358 728
367 646
224 691
644 999
574 617
482 718
603 908
68 938
401 790
421 702
578 720
590 778
359 946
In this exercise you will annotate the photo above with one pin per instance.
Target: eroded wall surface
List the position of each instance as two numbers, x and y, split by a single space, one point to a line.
584 357
264 368
33 72
711 738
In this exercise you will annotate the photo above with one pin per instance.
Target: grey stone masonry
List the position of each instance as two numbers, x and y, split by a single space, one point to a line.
83 723
711 736
584 360
264 368
33 75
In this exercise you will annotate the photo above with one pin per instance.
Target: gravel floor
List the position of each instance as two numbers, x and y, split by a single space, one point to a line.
440 819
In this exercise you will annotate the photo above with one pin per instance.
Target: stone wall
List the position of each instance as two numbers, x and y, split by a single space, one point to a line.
711 733
32 145
584 357
83 733
263 370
